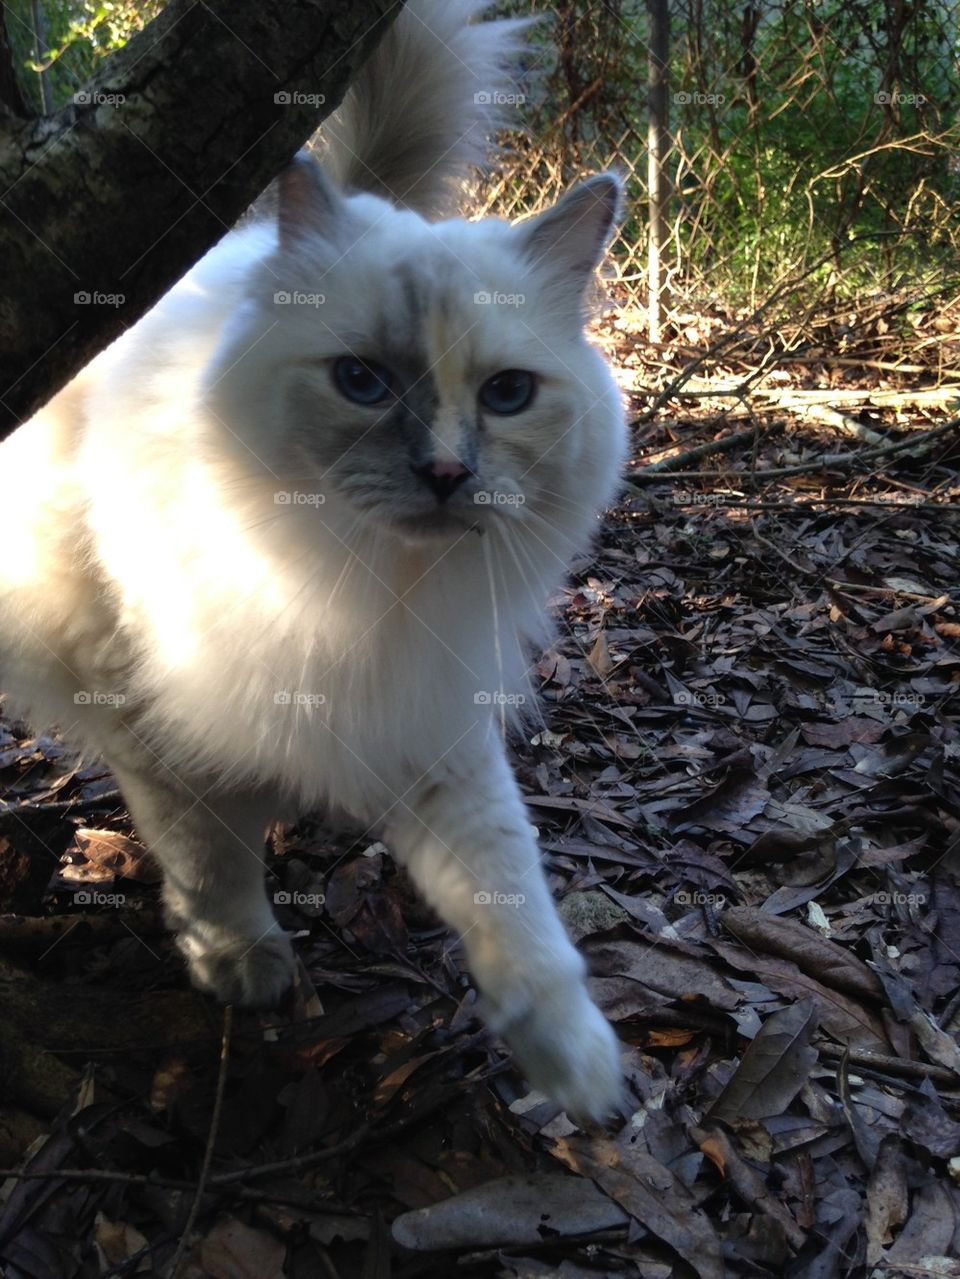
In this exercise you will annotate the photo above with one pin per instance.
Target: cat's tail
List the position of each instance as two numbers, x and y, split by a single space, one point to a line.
423 106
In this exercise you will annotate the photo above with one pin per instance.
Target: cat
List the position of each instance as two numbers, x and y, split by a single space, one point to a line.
286 545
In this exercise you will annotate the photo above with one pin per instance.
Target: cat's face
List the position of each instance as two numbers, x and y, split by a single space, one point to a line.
432 377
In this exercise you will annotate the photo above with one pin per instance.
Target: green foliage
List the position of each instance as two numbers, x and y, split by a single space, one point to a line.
811 138
826 133
74 35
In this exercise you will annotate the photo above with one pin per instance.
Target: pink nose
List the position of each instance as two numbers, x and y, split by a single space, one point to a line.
443 478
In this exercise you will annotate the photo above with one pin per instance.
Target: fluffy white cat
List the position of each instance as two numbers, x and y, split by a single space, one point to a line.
286 545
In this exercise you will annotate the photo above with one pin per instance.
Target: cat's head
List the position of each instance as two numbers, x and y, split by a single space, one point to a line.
428 378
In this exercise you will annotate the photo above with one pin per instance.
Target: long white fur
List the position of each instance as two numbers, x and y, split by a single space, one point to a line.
237 658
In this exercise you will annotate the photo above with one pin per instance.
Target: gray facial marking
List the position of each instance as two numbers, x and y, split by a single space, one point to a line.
413 417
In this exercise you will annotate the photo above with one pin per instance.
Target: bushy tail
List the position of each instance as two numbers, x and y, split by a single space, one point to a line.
421 110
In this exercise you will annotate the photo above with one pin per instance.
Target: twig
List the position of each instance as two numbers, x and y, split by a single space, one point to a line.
732 502
893 1065
722 445
365 1134
859 589
180 1254
300 1162
28 931
831 461
797 568
61 805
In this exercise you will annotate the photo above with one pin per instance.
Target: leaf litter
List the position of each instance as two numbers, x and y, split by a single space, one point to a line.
747 788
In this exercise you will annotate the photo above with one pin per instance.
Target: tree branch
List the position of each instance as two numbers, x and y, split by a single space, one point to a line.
115 196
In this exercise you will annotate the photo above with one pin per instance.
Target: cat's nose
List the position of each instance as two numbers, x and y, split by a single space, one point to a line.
443 478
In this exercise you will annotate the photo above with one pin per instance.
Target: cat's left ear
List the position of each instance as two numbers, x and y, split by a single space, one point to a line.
308 202
571 237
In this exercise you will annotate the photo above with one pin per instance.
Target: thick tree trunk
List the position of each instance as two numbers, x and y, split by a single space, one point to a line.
105 204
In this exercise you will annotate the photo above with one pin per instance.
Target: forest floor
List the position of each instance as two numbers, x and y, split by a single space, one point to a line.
747 786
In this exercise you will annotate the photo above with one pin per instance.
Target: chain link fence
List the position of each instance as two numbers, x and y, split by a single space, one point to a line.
814 144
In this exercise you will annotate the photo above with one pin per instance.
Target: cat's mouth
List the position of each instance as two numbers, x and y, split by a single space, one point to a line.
430 525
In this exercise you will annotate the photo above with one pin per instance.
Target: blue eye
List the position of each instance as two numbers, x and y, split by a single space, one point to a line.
362 381
508 392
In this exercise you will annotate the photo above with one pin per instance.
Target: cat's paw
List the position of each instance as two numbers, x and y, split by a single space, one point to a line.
568 1050
252 972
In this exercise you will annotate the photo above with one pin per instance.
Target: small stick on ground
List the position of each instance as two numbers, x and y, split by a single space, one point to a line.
180 1254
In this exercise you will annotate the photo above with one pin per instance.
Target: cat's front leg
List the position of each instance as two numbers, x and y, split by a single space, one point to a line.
465 837
210 846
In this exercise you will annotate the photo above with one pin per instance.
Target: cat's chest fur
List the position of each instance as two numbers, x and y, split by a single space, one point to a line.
344 676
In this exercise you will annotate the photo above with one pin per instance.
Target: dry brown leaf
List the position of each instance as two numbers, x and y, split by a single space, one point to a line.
830 963
840 1016
773 1069
599 658
233 1250
107 856
512 1210
651 1194
886 1197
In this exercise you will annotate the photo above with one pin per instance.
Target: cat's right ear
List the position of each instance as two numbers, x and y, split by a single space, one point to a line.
308 203
572 235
